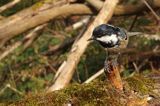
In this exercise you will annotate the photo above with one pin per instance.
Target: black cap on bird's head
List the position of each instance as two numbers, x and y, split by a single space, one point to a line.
108 36
103 30
99 31
107 30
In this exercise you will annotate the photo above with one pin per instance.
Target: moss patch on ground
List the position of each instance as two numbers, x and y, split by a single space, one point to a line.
95 93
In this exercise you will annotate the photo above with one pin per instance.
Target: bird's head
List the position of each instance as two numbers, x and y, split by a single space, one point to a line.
107 35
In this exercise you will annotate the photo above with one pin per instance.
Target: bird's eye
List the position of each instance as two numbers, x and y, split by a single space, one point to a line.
126 38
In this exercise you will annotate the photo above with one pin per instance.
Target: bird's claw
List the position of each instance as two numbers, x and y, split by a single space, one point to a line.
107 69
108 66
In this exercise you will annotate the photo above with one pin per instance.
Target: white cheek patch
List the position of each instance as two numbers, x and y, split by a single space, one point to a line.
109 39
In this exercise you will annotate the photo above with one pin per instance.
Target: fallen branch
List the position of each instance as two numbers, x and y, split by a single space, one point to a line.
9 5
134 54
143 55
80 46
30 18
153 12
79 24
25 42
12 88
29 39
94 76
34 16
15 90
125 9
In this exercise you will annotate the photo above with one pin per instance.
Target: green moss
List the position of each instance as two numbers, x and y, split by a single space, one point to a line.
141 84
96 93
93 94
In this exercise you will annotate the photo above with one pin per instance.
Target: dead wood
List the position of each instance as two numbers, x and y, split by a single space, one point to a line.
9 5
2 17
34 16
126 9
100 72
80 46
134 54
143 55
31 17
114 75
150 8
78 24
26 42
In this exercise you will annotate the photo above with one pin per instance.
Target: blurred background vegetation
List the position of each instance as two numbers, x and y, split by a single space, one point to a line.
30 71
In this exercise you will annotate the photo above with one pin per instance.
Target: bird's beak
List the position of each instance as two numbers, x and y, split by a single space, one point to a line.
90 39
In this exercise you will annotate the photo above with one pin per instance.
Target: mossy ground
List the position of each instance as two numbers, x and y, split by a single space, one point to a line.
93 94
29 71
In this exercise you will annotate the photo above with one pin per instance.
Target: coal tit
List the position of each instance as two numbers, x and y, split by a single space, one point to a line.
110 36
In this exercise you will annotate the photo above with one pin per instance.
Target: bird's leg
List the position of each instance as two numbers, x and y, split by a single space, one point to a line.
110 62
106 66
114 59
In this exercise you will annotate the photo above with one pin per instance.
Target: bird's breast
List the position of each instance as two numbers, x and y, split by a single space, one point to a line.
109 39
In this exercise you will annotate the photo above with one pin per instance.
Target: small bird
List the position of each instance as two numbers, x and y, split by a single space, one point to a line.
110 37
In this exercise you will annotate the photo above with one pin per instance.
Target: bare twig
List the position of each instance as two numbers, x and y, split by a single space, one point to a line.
9 5
135 66
27 41
145 35
12 77
153 12
59 70
142 64
133 23
2 90
94 76
10 50
125 9
78 77
14 89
80 46
79 24
151 36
